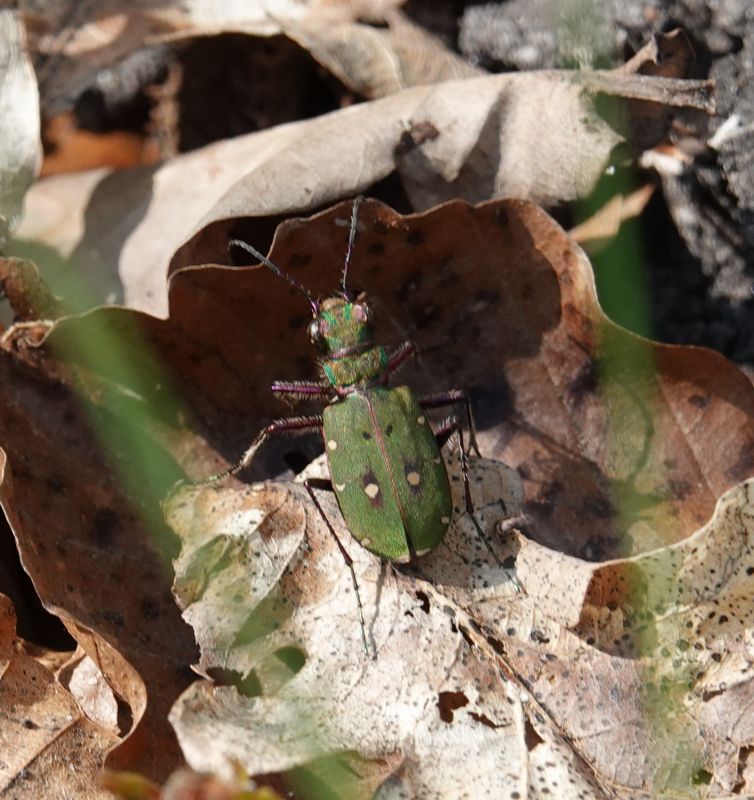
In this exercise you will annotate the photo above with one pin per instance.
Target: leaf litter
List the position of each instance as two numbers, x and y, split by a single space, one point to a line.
546 685
49 746
456 629
506 665
474 138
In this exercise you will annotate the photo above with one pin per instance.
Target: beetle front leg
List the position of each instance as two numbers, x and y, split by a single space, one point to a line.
302 390
452 426
284 425
451 398
326 485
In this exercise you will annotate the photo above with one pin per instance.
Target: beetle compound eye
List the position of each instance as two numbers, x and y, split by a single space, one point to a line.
366 312
314 332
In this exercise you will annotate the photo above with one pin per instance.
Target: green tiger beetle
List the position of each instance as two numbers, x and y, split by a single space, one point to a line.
384 459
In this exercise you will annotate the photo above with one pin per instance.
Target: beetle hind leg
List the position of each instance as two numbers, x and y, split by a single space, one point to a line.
310 484
443 434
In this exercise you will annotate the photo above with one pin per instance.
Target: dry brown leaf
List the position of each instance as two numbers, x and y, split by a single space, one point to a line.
49 747
94 563
375 62
499 135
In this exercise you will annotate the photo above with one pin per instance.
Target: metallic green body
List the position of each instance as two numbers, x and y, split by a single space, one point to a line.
387 472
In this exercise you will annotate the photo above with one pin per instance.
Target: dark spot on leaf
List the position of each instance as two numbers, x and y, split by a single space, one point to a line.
150 608
409 286
448 702
114 617
55 483
30 725
585 382
699 400
680 490
424 600
743 467
538 637
299 259
105 527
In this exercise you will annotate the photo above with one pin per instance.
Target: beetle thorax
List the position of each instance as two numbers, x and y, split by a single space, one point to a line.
343 332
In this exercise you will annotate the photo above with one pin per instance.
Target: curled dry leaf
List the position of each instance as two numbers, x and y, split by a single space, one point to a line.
76 41
375 62
49 747
499 135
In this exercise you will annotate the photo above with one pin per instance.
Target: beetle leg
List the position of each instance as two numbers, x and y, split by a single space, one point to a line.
302 390
452 398
326 485
284 425
400 354
447 429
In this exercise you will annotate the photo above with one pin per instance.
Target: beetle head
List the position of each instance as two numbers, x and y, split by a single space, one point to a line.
342 326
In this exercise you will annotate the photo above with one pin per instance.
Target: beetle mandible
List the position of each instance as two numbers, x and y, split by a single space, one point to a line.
384 459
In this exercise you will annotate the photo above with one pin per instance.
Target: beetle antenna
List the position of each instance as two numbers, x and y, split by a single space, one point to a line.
266 261
351 239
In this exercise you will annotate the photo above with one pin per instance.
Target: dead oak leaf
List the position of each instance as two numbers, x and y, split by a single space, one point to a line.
49 747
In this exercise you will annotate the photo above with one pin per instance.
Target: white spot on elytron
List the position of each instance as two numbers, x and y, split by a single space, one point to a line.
445 520
413 478
437 460
420 419
423 552
340 486
366 542
332 444
371 490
